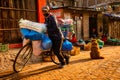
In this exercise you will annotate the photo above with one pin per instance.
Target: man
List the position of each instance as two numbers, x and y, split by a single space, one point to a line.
94 33
55 35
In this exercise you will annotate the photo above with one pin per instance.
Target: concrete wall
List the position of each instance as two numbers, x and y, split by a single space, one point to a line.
85 26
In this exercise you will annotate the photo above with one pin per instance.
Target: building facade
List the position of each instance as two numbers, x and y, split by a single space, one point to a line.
85 18
87 14
11 11
85 21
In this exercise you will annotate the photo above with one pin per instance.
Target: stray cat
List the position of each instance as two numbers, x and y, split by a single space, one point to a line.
95 53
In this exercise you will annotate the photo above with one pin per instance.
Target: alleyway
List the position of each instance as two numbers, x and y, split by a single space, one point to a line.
81 67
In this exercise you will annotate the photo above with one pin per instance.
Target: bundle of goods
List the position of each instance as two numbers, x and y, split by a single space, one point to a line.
87 46
87 41
112 41
100 43
67 45
46 43
32 30
36 45
31 34
118 42
82 43
66 26
75 51
38 27
104 38
65 29
40 41
60 21
69 21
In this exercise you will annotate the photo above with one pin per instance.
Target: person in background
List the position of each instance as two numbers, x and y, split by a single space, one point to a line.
94 33
73 39
55 35
104 38
77 43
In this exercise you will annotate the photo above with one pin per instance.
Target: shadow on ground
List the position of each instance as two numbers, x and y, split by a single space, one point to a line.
26 73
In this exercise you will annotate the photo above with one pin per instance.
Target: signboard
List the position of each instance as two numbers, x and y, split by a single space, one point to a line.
57 13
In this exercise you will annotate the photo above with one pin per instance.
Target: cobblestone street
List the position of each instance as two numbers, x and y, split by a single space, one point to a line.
81 67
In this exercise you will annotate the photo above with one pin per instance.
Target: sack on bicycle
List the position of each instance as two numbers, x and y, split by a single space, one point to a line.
38 27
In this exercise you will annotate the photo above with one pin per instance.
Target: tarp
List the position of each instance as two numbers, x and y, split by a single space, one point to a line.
112 15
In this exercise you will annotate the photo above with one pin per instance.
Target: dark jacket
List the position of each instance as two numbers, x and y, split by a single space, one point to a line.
52 28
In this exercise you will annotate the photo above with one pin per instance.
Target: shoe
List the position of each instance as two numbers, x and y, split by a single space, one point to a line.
61 66
67 60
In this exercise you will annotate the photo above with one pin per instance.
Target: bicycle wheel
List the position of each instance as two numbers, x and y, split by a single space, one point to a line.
54 58
22 57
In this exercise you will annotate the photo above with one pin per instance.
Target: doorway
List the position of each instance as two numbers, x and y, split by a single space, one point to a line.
92 24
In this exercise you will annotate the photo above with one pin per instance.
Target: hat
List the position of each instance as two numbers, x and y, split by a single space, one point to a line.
45 8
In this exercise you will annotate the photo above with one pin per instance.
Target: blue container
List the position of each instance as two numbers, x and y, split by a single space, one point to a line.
46 43
24 32
30 34
67 45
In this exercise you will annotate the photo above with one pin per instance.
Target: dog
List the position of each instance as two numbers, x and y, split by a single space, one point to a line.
95 52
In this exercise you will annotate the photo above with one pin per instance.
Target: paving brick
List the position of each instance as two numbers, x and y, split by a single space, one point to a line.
81 67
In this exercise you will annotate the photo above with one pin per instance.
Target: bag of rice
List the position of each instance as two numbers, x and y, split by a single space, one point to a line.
36 47
39 27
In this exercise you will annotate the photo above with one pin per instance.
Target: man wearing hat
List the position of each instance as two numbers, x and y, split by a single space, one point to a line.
55 35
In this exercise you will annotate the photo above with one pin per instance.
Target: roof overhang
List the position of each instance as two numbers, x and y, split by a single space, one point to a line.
77 9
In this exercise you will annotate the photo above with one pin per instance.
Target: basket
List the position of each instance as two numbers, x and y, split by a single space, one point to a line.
75 51
4 47
87 47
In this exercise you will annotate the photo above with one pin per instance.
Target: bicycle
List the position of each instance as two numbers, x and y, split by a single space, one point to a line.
25 54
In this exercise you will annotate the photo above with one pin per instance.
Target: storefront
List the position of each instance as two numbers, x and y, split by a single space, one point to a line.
111 20
11 11
84 20
112 25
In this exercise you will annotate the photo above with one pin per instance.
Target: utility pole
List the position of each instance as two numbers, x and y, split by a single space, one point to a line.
95 3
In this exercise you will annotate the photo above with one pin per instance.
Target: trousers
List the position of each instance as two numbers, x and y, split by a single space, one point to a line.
56 47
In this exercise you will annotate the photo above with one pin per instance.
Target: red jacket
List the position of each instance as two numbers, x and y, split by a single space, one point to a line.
73 39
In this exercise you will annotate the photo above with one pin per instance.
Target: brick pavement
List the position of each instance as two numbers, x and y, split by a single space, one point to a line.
81 67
